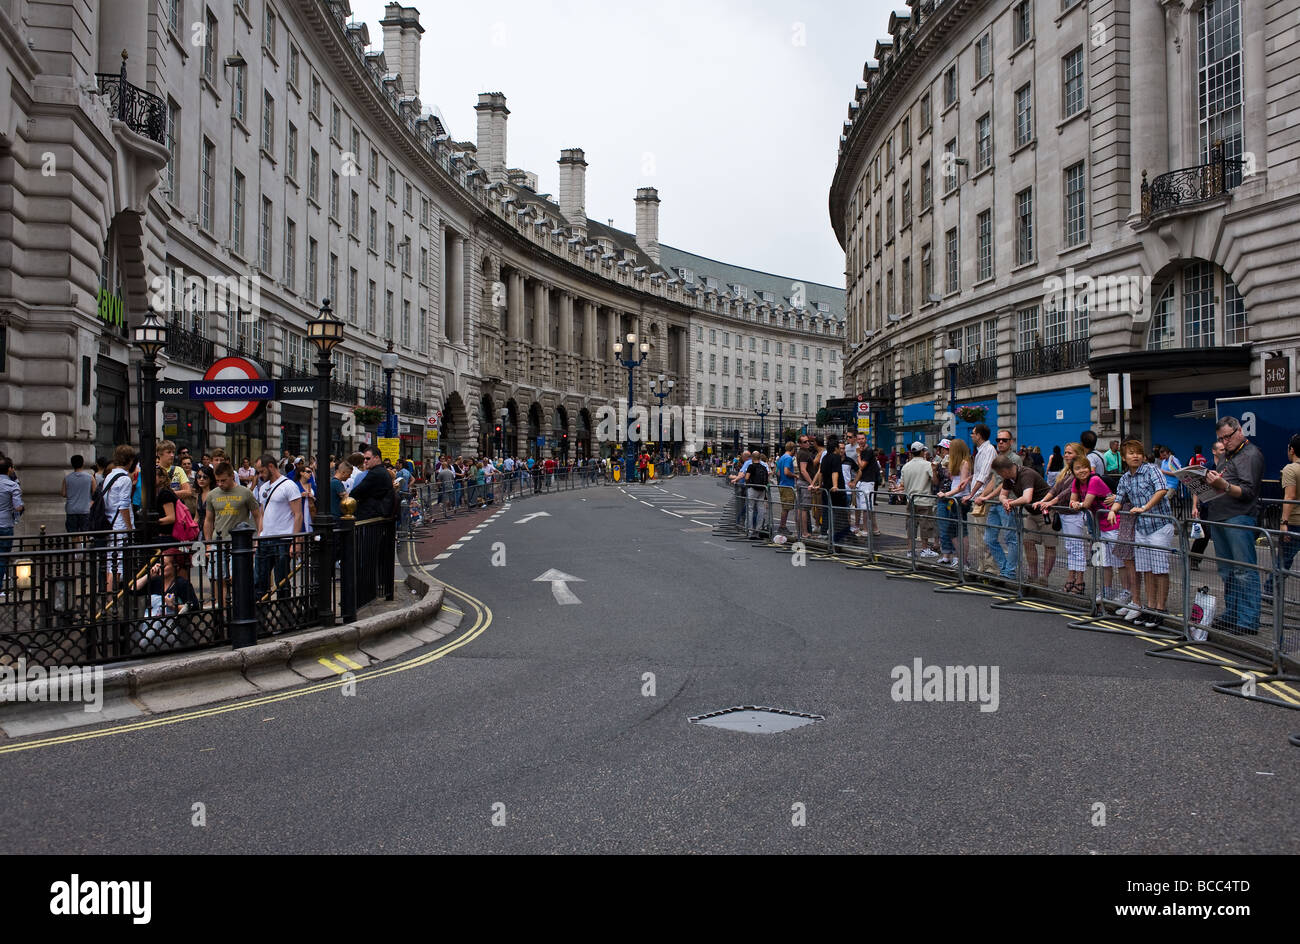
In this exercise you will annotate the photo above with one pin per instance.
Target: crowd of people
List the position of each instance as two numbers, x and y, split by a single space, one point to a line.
1017 509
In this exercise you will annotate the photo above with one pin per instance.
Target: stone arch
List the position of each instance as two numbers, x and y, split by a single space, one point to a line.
560 430
584 434
487 441
536 427
456 434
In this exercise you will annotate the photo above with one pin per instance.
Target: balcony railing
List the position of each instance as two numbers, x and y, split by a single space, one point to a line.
341 392
141 111
412 406
1191 185
918 384
297 372
984 370
186 346
1052 359
375 396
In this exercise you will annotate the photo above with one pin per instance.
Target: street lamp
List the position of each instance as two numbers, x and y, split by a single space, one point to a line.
150 336
326 332
762 411
952 357
780 422
630 365
664 389
388 361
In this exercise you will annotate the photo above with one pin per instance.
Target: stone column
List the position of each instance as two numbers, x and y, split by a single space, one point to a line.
456 289
541 359
1148 110
1255 85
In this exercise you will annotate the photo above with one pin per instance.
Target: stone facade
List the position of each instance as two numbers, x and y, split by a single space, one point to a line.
235 165
1059 242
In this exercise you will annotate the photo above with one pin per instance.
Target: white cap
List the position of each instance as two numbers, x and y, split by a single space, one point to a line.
918 447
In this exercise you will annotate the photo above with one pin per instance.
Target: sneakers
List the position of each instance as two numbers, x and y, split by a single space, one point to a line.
1128 613
929 554
1121 595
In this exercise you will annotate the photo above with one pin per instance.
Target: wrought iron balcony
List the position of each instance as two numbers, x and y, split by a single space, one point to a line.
1052 359
413 406
141 111
341 392
984 370
186 346
375 396
297 372
919 383
1191 185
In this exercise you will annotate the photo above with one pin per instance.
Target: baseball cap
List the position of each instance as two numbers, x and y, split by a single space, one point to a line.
944 444
918 447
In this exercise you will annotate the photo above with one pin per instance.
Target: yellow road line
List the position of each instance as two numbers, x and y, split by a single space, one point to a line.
348 662
483 619
336 669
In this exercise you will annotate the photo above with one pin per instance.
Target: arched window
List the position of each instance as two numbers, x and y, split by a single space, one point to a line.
1199 306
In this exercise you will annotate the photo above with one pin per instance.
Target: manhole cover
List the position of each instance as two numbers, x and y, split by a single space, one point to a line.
756 719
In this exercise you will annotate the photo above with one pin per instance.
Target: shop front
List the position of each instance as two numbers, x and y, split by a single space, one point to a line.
185 423
111 409
295 429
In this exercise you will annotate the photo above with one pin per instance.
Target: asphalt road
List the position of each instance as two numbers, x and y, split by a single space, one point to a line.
540 717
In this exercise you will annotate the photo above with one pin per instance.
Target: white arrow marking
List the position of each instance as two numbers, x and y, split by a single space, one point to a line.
558 580
535 514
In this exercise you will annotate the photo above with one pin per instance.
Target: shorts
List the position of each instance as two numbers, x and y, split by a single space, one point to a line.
1151 554
1109 539
1038 533
866 496
115 557
787 498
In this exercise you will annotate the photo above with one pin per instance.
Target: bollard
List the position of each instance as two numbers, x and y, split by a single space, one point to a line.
346 535
243 614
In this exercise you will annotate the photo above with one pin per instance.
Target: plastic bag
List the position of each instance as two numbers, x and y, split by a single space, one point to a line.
1204 606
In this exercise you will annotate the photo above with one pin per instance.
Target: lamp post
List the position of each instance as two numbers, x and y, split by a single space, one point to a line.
630 365
150 336
762 411
661 388
780 422
952 357
388 361
326 332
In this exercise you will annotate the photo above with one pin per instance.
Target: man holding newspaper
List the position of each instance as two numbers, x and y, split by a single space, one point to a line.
1230 496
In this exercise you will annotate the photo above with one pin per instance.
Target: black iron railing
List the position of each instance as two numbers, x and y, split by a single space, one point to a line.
341 392
1191 185
375 396
1052 359
141 111
919 383
413 406
297 372
83 599
187 346
984 370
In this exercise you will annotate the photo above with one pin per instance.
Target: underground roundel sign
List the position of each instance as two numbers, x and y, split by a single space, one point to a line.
233 389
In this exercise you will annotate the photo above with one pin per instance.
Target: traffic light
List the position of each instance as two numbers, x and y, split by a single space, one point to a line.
498 430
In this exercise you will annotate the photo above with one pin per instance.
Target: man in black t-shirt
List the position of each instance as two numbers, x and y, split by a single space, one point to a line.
834 486
756 478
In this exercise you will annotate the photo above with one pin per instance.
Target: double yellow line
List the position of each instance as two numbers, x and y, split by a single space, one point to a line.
473 606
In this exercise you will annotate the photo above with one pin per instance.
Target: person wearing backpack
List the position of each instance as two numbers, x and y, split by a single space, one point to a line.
757 479
112 510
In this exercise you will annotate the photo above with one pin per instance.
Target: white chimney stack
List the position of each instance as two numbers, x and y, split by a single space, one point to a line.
647 221
573 189
402 31
492 115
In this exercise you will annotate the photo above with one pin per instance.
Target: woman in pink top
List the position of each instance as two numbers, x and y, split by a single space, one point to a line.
1087 493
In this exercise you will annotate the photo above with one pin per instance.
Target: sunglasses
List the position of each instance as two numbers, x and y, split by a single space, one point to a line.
1004 440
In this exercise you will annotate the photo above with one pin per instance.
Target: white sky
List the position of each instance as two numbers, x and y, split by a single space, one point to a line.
732 109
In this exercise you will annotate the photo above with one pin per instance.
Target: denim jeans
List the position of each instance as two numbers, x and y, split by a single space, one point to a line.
5 547
1001 528
946 509
1235 547
1288 545
272 554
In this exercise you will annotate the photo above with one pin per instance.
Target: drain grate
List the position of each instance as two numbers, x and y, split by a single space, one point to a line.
756 719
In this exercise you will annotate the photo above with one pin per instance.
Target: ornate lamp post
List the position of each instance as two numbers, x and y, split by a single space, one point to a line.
952 357
326 332
662 389
780 422
762 411
630 365
150 336
388 361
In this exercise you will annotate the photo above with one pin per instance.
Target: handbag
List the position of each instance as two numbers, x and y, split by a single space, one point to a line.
1056 522
1204 606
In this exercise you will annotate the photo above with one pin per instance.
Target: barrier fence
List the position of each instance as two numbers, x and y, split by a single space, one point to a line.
96 597
1233 586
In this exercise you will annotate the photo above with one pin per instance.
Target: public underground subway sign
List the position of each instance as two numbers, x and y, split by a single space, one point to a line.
232 389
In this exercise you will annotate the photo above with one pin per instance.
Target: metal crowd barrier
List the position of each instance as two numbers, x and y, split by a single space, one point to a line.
1241 592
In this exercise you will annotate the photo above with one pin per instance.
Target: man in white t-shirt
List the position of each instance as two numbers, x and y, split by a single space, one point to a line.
117 506
281 503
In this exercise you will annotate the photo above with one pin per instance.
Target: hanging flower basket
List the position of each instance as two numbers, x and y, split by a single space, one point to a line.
368 415
972 414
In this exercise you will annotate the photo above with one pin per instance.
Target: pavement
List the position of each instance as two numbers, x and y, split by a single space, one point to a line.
596 624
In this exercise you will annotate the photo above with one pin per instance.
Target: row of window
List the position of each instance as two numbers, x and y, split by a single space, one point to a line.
790 402
753 368
753 344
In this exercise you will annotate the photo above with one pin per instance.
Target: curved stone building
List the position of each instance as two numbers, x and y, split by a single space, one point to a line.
1056 191
234 165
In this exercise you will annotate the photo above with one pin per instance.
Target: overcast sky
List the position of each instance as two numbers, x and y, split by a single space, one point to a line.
733 110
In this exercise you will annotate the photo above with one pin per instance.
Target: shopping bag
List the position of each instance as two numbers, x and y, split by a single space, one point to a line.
1204 606
1198 532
